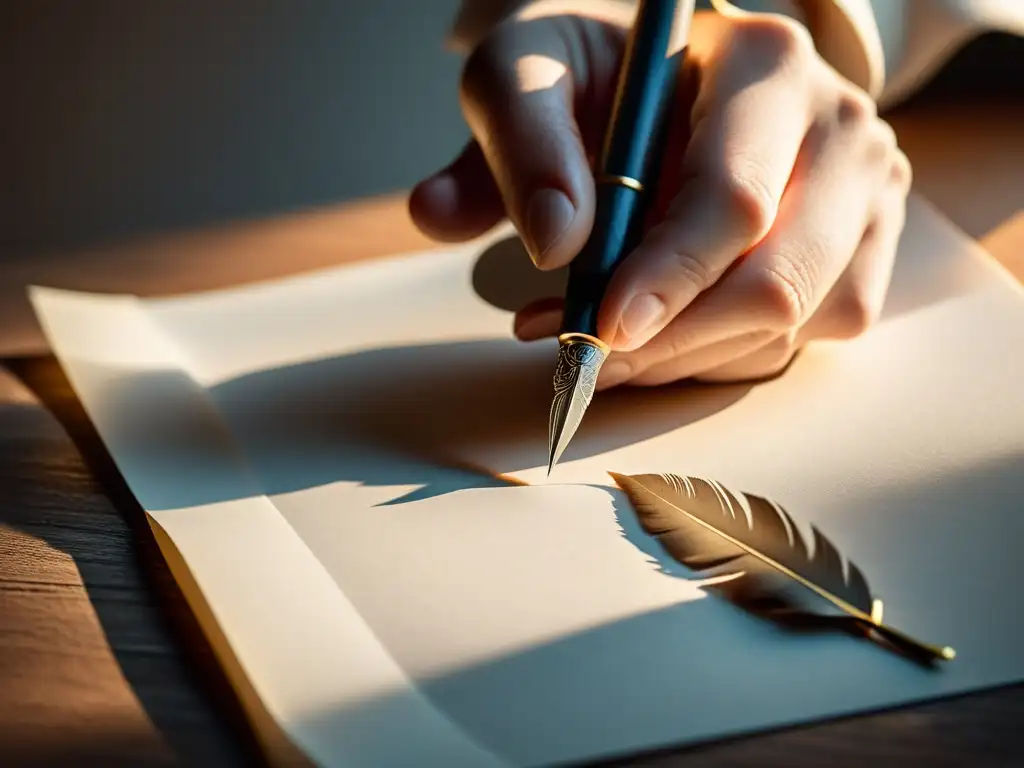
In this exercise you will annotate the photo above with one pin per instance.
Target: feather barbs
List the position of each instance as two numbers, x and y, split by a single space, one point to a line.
778 571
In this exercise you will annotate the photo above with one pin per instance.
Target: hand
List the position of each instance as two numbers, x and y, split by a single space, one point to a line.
782 198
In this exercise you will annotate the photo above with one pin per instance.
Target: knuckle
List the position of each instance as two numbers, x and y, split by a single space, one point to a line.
855 110
750 205
691 273
781 297
778 38
886 134
857 310
881 145
902 171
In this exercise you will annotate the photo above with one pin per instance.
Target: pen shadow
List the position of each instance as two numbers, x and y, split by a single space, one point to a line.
440 417
432 418
616 663
505 278
426 419
407 416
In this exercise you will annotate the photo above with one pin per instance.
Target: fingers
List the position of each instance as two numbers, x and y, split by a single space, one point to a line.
781 283
459 202
518 97
749 121
856 301
764 362
852 307
789 205
539 319
684 367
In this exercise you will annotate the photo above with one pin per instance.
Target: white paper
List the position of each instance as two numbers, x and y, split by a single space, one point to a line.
326 455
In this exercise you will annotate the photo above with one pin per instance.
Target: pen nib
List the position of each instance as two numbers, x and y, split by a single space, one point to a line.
580 358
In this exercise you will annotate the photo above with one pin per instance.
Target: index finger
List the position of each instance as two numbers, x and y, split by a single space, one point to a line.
750 118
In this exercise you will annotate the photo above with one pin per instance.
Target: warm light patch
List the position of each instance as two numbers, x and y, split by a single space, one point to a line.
536 72
726 8
608 11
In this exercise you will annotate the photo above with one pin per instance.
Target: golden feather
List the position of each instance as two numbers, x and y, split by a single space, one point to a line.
704 526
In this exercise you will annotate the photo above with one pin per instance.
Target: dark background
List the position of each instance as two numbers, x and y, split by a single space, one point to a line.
130 117
123 117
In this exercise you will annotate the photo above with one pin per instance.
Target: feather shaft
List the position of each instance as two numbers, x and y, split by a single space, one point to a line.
825 553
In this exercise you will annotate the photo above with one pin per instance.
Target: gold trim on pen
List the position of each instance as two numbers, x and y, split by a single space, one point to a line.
622 181
585 338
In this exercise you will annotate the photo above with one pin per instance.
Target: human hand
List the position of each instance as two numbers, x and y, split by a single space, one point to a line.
779 209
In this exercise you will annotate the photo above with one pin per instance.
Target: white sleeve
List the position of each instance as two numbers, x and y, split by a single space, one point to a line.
887 47
844 30
918 38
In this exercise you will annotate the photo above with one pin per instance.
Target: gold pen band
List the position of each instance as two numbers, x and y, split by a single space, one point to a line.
585 338
622 181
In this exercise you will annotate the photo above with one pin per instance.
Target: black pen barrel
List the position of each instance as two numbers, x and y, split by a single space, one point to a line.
627 169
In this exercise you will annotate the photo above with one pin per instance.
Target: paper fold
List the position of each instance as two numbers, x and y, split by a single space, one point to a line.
252 582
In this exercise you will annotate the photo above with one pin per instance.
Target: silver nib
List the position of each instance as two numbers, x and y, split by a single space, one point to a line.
580 358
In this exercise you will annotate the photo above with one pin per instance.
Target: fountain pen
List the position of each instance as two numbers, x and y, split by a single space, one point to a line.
634 139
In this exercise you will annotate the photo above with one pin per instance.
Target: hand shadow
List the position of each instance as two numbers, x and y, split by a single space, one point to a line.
425 419
505 278
440 417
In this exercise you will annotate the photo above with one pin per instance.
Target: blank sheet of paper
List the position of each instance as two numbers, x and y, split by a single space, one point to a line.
350 466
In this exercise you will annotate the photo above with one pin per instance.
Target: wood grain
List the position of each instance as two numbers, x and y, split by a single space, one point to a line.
100 660
89 670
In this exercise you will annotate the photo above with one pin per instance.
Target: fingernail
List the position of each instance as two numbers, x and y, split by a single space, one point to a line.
548 215
637 321
613 372
539 326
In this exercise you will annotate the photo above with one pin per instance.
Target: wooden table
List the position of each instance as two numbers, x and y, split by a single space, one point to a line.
100 661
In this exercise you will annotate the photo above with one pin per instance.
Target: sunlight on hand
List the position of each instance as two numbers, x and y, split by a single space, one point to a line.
536 72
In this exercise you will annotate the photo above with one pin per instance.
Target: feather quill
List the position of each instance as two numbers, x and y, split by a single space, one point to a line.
707 528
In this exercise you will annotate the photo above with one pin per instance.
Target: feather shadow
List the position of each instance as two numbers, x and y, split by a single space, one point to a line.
758 559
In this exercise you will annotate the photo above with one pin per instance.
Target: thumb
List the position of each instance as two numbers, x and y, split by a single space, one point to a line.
518 94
